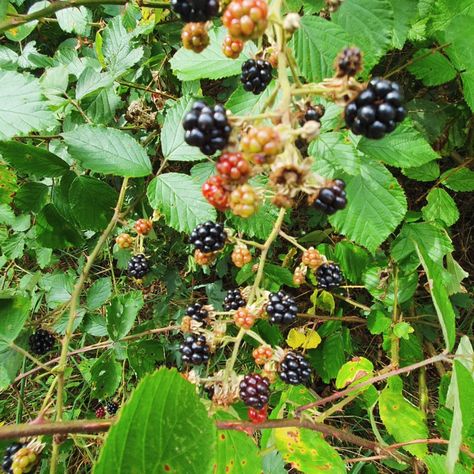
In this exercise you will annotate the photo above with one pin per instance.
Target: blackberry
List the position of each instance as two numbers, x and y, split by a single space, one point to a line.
195 10
138 266
281 308
111 408
377 110
41 342
331 199
328 276
255 390
8 456
208 237
294 369
195 350
197 312
234 300
312 112
206 127
256 75
349 62
100 412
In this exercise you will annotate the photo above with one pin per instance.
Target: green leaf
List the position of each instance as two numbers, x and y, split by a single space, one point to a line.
352 259
145 356
369 24
23 107
460 36
431 237
405 13
99 292
173 145
74 19
280 275
307 451
106 375
427 172
403 420
236 453
14 311
436 464
55 232
467 78
378 322
7 216
22 31
118 49
352 371
405 147
333 354
439 295
101 107
108 151
90 81
32 197
122 312
179 198
461 179
155 432
32 160
10 364
316 44
100 193
376 205
259 224
403 330
441 206
333 152
432 68
242 102
210 63
460 399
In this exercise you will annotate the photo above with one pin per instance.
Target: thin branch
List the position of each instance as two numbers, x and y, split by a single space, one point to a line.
366 383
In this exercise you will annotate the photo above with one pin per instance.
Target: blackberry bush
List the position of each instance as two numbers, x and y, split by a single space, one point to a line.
208 237
207 127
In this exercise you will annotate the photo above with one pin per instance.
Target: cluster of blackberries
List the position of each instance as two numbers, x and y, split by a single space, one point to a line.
111 408
208 237
256 75
41 342
195 10
294 369
328 276
255 390
377 110
8 457
331 199
195 350
281 308
234 300
138 266
197 312
206 127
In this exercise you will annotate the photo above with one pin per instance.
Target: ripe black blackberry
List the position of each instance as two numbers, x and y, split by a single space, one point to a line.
377 110
138 266
197 312
312 112
8 456
195 10
255 390
41 342
328 276
349 62
281 308
111 408
208 237
294 369
234 300
332 198
256 75
207 127
195 350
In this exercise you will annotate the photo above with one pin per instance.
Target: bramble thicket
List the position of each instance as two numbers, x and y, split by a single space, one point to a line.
236 236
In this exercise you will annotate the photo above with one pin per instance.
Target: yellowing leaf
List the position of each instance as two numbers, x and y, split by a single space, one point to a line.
295 338
313 339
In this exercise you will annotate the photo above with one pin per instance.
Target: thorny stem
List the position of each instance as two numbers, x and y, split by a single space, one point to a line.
61 367
395 340
292 240
22 351
378 378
